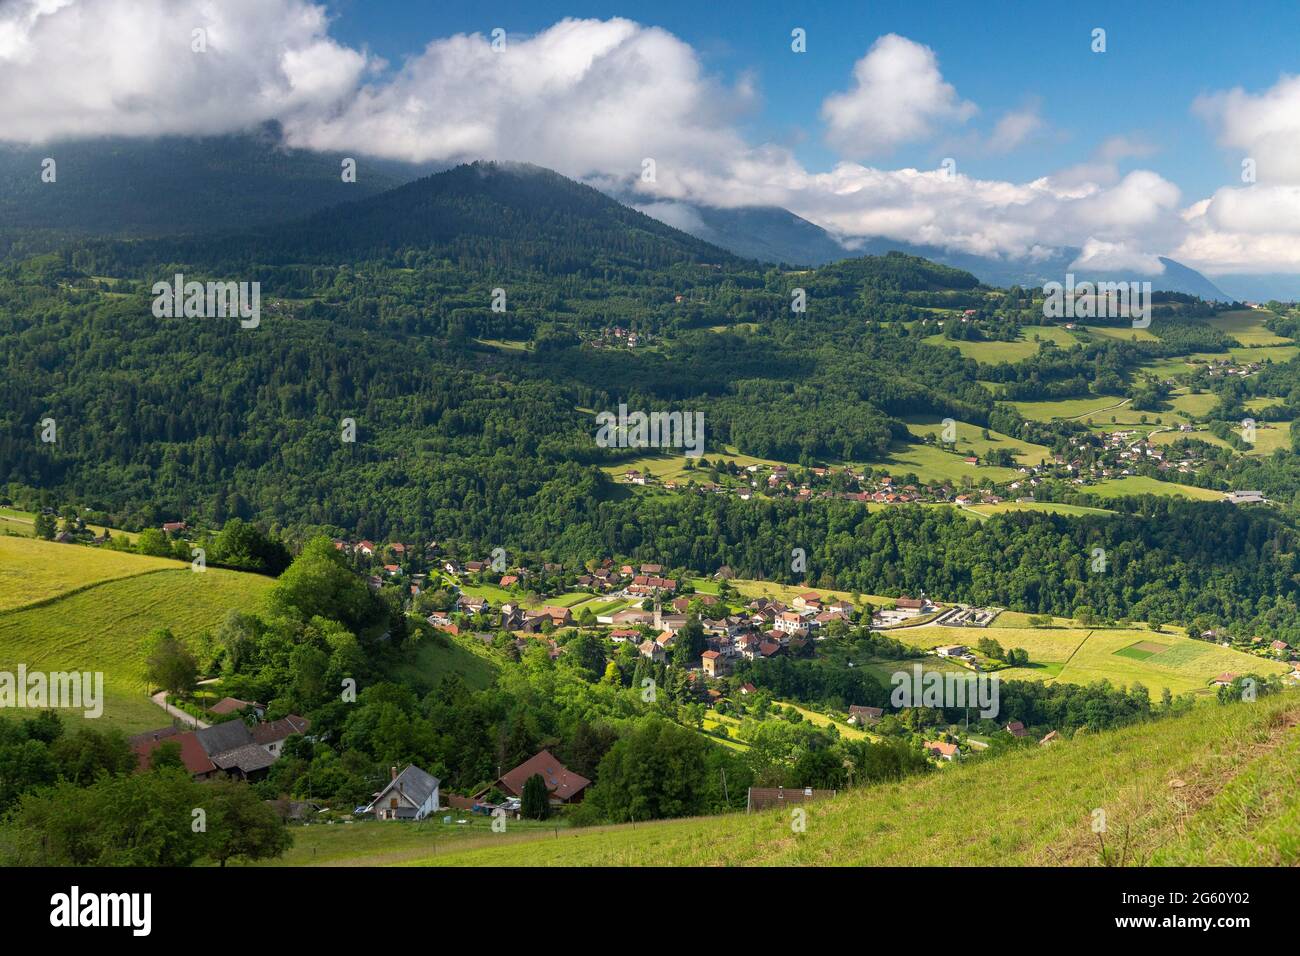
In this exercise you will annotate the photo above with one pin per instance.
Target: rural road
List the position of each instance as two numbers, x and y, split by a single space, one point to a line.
160 699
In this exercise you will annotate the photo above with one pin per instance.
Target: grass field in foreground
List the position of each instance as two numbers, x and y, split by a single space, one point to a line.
377 843
33 570
1164 786
106 628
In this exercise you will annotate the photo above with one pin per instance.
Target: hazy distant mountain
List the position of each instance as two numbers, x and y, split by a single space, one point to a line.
765 233
772 234
133 188
197 185
1285 287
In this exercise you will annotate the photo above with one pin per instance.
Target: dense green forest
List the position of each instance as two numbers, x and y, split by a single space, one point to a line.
380 311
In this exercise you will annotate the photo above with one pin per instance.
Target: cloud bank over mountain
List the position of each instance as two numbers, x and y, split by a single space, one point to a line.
597 99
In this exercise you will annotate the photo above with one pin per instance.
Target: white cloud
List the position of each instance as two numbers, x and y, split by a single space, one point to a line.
126 67
1264 127
1099 256
1243 231
586 97
898 96
984 217
1251 227
1015 127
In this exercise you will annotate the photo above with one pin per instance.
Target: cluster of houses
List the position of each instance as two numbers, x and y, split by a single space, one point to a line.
817 483
763 630
414 794
231 747
616 337
1227 368
1118 454
949 752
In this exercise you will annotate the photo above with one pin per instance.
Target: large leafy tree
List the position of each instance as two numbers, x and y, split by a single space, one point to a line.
170 665
319 583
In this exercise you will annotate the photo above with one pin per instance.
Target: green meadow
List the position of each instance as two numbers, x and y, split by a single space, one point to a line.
992 352
105 626
970 440
1214 786
1141 485
1123 656
1247 327
33 570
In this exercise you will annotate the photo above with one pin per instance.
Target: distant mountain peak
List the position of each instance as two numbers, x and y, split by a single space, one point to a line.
773 234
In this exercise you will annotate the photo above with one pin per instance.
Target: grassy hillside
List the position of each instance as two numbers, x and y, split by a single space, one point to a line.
33 570
1164 787
375 843
105 626
444 654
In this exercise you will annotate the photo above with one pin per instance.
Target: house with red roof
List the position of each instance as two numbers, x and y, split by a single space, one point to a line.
562 784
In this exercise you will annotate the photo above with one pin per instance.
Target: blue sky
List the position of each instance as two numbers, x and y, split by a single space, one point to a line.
1160 57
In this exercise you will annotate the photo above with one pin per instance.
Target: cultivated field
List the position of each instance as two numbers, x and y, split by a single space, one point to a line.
1247 327
970 440
1079 655
1141 485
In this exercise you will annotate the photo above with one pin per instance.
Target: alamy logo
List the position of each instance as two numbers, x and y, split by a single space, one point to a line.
935 689
77 690
211 300
73 909
653 430
1098 300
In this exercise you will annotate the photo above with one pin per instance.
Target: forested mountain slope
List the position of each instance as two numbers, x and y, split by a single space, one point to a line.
381 311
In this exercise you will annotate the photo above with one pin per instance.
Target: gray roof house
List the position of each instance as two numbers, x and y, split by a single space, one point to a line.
224 736
410 795
230 746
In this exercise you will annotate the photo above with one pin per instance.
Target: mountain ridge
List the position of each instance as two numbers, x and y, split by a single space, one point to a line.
792 240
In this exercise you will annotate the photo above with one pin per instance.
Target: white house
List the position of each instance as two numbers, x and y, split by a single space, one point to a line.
410 795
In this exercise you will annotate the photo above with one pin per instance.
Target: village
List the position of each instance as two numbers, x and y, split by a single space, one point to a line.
1089 460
